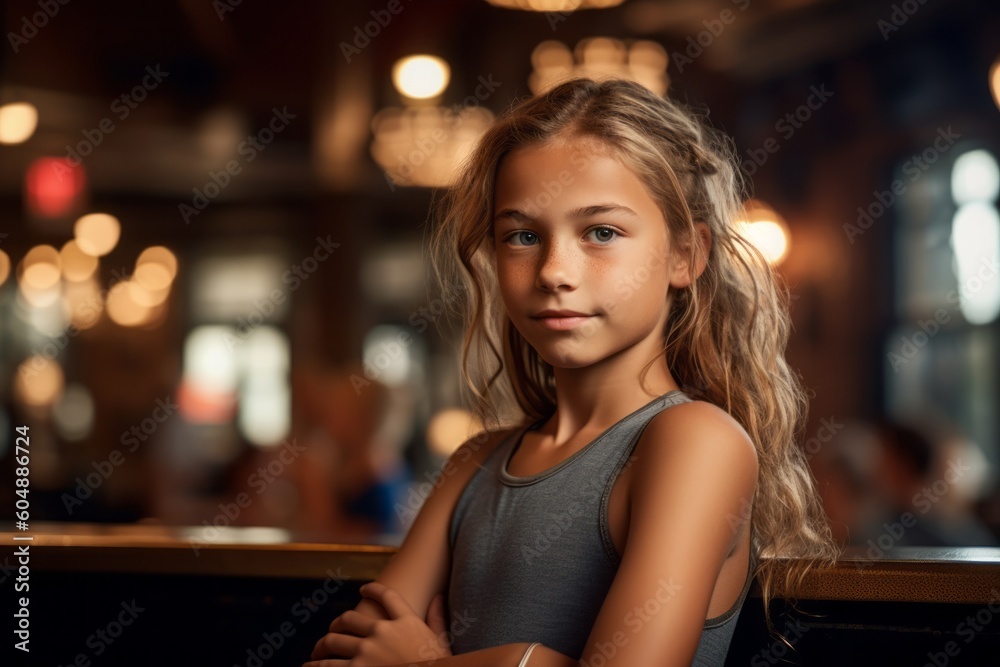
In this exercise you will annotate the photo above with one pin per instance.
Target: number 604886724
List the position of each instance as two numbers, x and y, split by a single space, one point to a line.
21 458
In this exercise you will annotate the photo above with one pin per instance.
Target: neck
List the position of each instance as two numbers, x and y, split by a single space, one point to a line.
593 398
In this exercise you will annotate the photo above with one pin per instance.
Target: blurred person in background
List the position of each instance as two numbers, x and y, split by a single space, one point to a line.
352 478
905 484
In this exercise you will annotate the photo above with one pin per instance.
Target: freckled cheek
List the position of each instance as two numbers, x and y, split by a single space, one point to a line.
606 268
514 276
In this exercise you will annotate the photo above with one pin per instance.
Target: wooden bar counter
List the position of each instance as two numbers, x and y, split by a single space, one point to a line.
159 595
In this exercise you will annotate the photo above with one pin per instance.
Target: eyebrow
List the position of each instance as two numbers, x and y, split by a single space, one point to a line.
583 212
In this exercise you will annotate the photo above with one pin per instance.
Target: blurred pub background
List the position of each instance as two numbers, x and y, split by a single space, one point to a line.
214 298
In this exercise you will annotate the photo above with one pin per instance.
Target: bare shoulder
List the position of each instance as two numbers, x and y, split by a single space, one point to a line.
698 424
692 435
697 470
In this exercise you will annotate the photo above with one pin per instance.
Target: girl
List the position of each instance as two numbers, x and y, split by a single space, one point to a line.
591 246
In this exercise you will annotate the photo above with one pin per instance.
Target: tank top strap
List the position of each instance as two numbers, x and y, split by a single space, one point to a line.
639 420
595 459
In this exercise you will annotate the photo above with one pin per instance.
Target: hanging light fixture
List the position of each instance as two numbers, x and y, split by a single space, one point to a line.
423 147
555 5
642 61
18 121
421 77
421 143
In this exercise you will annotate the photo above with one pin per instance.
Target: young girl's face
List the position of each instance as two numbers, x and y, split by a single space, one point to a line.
575 230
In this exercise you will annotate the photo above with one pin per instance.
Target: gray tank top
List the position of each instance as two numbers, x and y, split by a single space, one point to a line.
532 557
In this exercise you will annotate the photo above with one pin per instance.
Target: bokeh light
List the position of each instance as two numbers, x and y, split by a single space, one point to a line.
76 264
975 177
642 61
39 298
52 186
156 268
4 267
38 276
18 121
562 6
82 303
73 414
38 381
975 239
124 309
449 428
144 296
97 234
41 267
421 77
765 229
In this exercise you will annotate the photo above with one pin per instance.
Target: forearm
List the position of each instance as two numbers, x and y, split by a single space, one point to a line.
505 655
371 608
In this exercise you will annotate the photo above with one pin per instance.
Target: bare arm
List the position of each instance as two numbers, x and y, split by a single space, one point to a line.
419 570
678 538
505 655
699 468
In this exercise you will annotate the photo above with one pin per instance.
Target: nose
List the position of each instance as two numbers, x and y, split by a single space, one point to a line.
558 268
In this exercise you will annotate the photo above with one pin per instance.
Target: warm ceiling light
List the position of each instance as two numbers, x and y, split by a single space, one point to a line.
38 381
144 296
642 61
97 233
40 268
124 309
83 303
156 268
562 6
770 238
39 298
420 77
424 147
17 122
766 230
76 264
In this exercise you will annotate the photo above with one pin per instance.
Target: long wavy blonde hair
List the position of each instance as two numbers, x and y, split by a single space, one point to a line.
726 334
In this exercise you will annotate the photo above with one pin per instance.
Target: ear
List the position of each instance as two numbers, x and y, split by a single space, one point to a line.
680 276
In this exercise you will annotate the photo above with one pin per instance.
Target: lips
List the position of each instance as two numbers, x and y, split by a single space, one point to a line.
547 314
561 320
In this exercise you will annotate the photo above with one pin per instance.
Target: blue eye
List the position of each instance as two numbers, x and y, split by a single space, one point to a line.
519 234
606 239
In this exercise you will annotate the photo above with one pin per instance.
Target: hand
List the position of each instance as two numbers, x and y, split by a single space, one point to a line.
362 641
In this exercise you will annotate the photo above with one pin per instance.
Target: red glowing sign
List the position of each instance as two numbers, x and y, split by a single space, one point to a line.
52 186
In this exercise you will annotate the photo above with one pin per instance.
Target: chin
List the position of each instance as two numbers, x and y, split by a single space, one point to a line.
566 358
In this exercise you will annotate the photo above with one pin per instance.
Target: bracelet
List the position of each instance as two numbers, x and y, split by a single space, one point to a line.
524 659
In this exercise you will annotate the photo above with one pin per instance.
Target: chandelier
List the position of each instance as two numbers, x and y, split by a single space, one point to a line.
642 61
